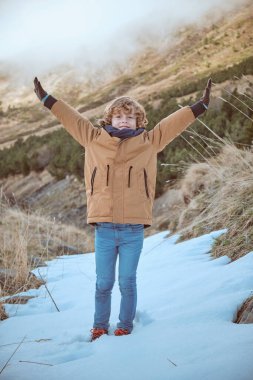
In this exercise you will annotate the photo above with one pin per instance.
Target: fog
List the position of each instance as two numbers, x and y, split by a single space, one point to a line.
38 36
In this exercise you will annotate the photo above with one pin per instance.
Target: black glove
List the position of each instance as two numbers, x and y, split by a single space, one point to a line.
202 105
41 93
206 95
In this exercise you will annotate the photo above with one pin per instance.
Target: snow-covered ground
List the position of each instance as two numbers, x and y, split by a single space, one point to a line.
183 328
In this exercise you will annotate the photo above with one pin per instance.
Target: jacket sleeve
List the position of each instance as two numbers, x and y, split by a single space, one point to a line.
170 127
80 128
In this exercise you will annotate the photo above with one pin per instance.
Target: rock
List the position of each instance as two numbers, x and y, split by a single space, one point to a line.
67 250
245 314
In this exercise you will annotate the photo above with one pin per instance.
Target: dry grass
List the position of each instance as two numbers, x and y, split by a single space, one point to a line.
3 314
219 195
27 240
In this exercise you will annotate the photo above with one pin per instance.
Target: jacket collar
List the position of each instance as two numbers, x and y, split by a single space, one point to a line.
105 135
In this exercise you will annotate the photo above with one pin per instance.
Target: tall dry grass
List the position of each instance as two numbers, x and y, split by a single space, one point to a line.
219 194
28 240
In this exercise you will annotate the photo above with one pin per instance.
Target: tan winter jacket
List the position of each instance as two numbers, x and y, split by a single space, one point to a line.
120 175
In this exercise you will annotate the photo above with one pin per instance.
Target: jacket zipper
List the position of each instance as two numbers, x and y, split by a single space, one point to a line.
107 178
92 179
146 182
129 172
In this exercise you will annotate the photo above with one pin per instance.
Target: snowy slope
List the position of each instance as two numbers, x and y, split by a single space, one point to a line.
183 327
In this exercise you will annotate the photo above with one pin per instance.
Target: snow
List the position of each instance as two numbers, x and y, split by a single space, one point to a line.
183 328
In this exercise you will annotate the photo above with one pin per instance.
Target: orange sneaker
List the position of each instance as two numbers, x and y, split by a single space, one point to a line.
121 331
97 332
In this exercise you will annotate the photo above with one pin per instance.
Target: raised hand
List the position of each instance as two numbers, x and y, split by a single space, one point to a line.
201 105
38 89
206 95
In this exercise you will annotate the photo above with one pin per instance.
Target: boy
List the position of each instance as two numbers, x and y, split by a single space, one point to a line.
120 177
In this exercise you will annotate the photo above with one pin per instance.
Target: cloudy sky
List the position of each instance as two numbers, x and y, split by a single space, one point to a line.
38 35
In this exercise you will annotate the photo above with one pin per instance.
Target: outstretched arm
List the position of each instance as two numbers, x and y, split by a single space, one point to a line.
80 128
173 125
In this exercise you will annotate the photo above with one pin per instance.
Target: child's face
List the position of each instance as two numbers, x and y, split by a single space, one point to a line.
122 119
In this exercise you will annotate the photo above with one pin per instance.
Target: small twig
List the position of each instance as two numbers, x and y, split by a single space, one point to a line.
244 76
49 293
193 147
171 362
27 361
246 96
243 113
236 97
162 164
203 138
161 242
27 341
205 149
12 355
209 129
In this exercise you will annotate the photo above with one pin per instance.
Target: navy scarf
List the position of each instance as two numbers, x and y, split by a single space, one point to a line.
122 133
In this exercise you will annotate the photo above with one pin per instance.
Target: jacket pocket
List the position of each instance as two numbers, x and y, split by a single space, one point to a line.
146 182
129 175
107 175
93 179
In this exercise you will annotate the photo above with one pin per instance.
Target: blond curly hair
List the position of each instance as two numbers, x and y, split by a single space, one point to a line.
128 105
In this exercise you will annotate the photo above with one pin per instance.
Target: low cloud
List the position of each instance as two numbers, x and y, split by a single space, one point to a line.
36 37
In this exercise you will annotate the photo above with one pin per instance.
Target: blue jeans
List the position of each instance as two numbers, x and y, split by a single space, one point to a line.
111 240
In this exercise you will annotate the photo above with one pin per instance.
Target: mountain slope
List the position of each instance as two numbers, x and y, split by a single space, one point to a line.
194 55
